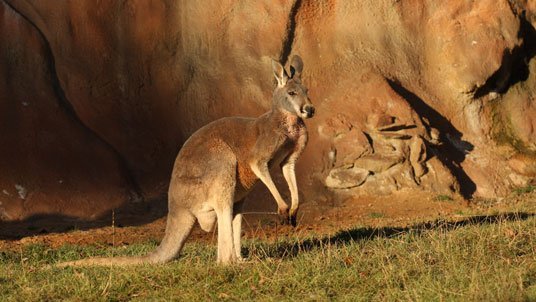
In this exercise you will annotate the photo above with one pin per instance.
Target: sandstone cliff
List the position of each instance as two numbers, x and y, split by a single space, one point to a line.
96 97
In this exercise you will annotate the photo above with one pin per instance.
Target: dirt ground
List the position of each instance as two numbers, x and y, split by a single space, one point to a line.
398 210
402 209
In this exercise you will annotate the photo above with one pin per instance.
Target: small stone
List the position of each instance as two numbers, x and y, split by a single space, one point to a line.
22 191
346 177
378 163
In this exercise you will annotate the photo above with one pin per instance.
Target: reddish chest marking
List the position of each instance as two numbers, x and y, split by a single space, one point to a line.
246 176
293 127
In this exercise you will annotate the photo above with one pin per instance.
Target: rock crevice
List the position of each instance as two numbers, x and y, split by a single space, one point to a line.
286 48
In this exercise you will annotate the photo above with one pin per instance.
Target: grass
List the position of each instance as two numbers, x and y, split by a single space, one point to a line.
482 258
525 190
376 215
442 197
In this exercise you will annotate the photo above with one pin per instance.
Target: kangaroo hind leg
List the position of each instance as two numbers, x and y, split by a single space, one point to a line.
237 229
220 197
226 251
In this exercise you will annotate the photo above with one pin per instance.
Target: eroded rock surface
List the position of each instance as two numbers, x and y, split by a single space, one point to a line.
97 98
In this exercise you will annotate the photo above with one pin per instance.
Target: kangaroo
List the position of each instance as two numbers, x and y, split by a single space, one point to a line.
219 165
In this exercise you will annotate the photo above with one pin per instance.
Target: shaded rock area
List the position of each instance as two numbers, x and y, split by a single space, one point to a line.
384 145
96 98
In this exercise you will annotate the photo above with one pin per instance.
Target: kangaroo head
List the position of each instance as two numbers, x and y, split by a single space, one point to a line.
290 94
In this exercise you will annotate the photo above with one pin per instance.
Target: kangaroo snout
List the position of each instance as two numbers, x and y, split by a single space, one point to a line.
308 111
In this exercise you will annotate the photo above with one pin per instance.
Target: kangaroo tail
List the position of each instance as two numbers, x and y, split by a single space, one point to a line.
178 228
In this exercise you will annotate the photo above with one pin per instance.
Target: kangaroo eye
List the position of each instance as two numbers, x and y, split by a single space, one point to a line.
291 93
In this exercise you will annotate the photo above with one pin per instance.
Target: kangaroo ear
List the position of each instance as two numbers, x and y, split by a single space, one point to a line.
279 73
296 66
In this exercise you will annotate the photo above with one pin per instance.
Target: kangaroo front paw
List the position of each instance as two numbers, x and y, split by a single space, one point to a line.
292 220
283 215
283 211
292 217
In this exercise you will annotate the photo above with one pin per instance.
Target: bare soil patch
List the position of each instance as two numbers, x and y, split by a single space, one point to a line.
402 209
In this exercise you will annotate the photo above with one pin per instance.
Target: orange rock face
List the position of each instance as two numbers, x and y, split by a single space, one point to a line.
96 98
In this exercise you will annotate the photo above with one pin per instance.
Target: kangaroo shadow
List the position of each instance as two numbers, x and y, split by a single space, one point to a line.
291 250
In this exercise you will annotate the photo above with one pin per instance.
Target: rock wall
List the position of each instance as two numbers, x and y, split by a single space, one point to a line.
96 98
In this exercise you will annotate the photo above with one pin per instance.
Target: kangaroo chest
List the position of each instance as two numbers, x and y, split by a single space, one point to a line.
290 139
293 131
293 128
285 140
